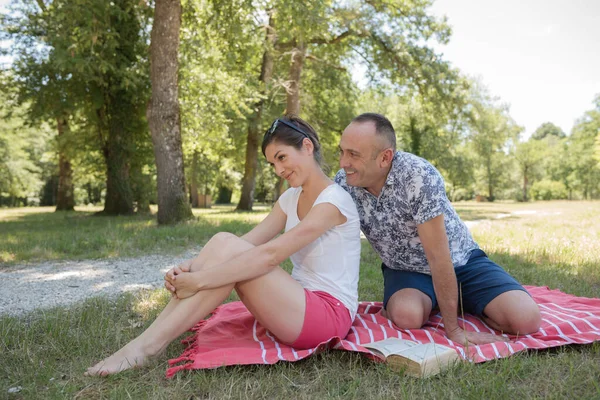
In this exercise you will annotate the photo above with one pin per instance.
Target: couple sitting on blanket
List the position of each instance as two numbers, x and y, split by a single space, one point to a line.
398 200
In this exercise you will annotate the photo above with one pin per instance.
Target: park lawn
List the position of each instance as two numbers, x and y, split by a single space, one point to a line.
34 234
555 244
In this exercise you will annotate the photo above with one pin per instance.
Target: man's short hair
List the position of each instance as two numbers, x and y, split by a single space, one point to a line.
383 126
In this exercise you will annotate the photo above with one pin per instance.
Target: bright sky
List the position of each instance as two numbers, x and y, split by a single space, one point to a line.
541 57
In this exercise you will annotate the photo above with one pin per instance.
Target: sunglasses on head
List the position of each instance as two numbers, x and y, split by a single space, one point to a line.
290 125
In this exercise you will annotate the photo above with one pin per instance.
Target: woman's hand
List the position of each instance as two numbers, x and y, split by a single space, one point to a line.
184 284
185 266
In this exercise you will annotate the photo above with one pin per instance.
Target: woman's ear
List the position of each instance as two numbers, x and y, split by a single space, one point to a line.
308 145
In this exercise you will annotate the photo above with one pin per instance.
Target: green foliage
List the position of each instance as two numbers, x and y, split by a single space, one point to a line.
491 131
597 149
548 129
86 62
582 142
549 190
329 102
219 56
529 156
24 155
460 194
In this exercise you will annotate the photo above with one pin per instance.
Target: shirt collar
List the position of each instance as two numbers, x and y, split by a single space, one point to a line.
391 178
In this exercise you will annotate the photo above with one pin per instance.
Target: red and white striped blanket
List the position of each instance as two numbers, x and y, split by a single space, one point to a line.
233 337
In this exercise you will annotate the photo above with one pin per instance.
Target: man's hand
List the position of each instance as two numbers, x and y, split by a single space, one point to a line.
185 266
466 338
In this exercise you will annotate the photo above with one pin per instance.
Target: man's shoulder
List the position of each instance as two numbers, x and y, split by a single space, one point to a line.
409 165
340 179
403 159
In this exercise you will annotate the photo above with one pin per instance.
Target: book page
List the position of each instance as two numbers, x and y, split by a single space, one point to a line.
391 346
425 351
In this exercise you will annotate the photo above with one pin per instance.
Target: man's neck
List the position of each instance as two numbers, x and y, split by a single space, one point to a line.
376 189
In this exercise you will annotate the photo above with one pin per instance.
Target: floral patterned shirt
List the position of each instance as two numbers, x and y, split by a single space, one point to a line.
413 193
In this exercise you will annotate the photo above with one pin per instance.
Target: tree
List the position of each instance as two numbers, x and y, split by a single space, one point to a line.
81 62
163 113
22 148
529 156
253 137
491 131
597 149
581 146
548 129
39 83
392 39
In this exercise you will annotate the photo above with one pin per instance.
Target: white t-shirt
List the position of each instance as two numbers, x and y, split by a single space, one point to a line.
330 263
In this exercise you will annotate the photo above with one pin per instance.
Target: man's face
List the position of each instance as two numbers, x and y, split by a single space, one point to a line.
359 155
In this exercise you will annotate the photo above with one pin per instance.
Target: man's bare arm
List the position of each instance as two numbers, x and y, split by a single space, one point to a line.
435 244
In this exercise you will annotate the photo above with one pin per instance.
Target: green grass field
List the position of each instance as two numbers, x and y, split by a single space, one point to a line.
555 244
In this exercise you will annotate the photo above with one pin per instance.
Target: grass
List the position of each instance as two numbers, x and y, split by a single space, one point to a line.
46 352
36 234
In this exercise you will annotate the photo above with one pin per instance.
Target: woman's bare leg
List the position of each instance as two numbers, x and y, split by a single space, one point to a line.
211 254
178 316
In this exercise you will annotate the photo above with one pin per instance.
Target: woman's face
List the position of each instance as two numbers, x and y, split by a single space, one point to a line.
290 163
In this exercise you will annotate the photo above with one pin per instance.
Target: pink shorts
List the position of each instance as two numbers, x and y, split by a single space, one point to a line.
325 317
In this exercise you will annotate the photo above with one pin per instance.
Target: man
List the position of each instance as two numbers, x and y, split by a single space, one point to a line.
429 257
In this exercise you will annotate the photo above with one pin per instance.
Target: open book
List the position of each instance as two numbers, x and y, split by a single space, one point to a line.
420 360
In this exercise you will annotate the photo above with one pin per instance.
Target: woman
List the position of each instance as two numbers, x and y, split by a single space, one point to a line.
320 298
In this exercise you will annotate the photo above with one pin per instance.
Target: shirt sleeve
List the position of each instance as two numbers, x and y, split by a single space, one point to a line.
342 200
428 193
340 178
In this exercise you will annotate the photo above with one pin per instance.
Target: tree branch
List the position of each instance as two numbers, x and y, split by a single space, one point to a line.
334 40
401 65
313 58
42 5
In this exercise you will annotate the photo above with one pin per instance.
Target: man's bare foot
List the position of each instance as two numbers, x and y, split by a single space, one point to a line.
130 356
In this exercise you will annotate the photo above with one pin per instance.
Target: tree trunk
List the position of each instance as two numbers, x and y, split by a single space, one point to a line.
249 181
163 113
119 196
415 136
117 151
292 97
141 184
194 181
65 198
293 91
490 180
266 73
525 185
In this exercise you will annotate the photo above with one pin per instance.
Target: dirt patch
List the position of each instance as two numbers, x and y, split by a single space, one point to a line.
29 287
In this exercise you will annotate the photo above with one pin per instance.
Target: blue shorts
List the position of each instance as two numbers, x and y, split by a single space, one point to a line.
480 281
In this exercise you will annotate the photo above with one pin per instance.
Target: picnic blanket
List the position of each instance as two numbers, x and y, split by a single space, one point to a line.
233 337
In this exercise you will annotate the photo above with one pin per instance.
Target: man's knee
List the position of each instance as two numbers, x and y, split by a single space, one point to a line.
409 308
526 321
405 318
514 312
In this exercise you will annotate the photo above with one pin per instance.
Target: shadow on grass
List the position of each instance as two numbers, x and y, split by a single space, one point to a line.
81 234
467 214
231 209
581 279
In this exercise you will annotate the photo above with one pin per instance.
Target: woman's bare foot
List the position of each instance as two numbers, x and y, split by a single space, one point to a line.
130 356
